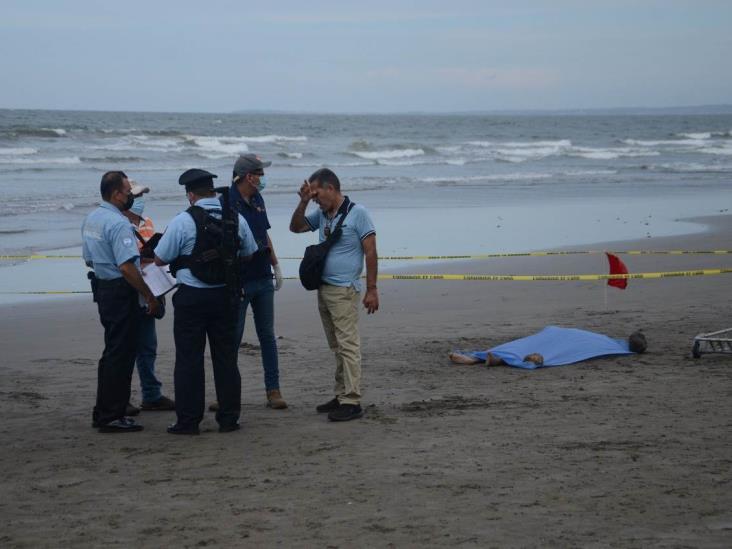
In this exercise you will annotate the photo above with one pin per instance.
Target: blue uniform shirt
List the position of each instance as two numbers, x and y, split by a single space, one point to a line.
256 215
180 237
344 264
108 241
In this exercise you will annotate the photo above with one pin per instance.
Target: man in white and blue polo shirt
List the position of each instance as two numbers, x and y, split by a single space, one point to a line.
340 289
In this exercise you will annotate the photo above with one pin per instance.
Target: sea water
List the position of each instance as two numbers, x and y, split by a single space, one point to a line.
434 184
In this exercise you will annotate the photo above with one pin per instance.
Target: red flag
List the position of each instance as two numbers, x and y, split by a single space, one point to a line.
617 267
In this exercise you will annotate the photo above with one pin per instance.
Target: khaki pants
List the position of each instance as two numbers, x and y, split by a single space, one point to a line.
338 308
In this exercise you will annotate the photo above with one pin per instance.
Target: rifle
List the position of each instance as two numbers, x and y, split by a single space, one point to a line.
230 246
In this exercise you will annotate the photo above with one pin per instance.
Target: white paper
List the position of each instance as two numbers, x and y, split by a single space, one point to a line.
158 279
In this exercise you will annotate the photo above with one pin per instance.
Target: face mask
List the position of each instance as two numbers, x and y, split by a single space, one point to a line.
262 183
138 206
130 201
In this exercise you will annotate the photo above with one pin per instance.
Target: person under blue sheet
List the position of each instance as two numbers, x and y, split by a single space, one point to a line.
553 346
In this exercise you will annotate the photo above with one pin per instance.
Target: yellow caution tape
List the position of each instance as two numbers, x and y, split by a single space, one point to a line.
443 257
575 277
48 292
35 256
519 278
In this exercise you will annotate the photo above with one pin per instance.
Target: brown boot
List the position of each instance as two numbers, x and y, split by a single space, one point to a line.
275 400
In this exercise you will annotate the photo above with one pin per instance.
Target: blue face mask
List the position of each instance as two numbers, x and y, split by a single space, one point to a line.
138 206
262 183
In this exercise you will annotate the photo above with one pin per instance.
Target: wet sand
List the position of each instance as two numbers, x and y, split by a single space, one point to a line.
615 452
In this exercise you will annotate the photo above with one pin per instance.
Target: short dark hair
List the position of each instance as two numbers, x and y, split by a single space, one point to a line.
203 191
111 182
326 176
637 342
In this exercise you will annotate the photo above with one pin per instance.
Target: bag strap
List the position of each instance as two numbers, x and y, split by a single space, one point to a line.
348 207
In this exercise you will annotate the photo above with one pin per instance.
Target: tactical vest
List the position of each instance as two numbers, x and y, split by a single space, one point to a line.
214 259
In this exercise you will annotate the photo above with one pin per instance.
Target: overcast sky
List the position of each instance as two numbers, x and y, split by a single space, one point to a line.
216 55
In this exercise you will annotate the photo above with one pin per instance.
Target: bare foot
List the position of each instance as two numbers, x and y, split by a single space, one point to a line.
459 358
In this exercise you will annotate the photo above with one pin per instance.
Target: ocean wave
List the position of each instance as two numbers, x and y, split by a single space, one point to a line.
696 135
593 153
705 135
27 131
41 160
521 144
60 204
515 176
224 140
529 153
389 154
112 158
18 151
690 167
491 177
360 145
724 150
274 139
314 164
218 146
295 155
521 151
664 142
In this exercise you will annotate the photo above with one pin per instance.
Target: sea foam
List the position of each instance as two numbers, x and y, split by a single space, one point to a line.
389 154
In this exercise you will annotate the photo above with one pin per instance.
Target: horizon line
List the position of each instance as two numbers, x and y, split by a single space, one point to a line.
721 108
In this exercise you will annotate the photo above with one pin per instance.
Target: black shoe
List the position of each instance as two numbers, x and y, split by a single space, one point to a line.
176 429
328 406
229 427
160 405
124 425
131 410
346 412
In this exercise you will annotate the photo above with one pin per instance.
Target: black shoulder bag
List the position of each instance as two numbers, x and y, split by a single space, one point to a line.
313 262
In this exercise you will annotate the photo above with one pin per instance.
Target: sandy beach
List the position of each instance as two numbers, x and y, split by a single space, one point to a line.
616 452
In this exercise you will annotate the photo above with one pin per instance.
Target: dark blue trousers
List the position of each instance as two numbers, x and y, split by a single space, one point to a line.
200 313
119 314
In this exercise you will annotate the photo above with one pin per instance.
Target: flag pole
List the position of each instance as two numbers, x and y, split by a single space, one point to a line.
605 283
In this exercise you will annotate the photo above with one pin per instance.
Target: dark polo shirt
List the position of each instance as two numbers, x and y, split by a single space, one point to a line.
255 214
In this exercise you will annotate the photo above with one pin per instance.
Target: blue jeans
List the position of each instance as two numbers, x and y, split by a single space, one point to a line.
260 294
147 350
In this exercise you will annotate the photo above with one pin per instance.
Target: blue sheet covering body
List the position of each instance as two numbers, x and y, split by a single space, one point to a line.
558 346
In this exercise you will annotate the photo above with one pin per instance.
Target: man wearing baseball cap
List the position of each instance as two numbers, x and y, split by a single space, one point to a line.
248 182
147 340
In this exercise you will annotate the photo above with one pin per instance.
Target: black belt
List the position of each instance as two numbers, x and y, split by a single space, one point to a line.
113 283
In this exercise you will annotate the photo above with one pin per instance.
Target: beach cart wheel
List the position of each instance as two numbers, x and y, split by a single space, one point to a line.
696 350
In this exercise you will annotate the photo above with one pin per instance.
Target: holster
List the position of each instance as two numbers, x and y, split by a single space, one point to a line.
94 284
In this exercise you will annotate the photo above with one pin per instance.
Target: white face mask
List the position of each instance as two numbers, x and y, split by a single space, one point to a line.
138 206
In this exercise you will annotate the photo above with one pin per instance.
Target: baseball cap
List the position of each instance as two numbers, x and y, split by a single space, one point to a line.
136 189
248 163
196 178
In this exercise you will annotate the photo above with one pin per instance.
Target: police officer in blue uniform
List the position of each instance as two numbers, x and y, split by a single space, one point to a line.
110 248
202 309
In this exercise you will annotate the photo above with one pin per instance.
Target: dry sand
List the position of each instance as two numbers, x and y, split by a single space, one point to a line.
617 452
